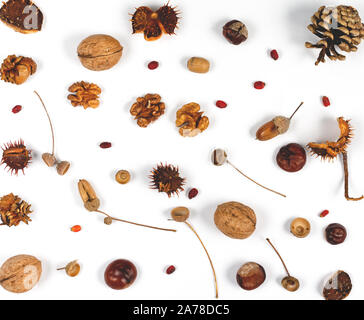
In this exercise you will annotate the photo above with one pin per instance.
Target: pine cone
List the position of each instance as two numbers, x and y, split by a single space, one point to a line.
340 26
17 69
147 109
13 210
85 94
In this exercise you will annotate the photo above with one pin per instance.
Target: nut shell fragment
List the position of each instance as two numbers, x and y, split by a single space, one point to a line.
338 287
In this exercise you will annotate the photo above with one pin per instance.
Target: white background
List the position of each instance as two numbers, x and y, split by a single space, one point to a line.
280 25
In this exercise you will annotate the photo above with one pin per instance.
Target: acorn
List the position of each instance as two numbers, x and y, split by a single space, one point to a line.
278 125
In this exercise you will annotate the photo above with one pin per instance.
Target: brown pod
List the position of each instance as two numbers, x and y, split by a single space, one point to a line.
335 233
291 158
250 276
99 52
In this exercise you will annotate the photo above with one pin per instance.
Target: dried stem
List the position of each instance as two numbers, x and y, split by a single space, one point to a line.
276 192
346 172
64 268
296 111
134 223
49 119
284 265
208 256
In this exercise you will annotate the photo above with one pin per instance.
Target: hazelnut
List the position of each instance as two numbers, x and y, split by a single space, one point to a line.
300 227
20 273
198 65
250 276
99 52
180 214
291 157
235 220
335 233
122 176
235 32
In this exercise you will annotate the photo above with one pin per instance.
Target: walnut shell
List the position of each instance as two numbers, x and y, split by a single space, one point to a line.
99 52
20 273
235 220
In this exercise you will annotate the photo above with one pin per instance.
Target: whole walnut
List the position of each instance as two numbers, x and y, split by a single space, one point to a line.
20 273
99 52
235 220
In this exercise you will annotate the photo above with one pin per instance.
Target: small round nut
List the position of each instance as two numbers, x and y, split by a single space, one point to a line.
300 227
180 214
198 65
122 177
250 276
291 158
99 52
235 32
335 233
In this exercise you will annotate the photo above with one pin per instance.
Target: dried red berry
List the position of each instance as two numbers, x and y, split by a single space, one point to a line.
170 269
192 193
274 54
259 85
105 145
326 101
17 109
324 213
221 104
76 228
153 65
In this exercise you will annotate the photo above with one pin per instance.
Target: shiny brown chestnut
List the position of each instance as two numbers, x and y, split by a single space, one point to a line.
335 233
120 274
235 32
291 158
250 276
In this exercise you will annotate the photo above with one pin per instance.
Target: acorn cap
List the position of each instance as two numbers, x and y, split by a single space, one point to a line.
282 124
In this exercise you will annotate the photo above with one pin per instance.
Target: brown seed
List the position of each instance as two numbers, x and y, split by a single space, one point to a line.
180 214
122 176
335 233
49 159
235 32
198 65
300 227
250 276
62 167
291 158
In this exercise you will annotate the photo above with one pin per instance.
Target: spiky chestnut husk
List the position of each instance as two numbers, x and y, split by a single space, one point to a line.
16 156
166 178
330 150
154 23
14 210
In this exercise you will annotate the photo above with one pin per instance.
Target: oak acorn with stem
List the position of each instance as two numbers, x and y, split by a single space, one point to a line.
289 283
49 158
219 157
92 203
278 125
181 214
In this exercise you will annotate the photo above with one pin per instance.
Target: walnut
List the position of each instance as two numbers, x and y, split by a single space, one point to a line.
84 94
17 69
147 109
190 120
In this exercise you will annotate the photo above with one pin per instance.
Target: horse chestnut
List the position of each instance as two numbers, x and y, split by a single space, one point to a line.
250 276
120 274
235 32
335 233
292 157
